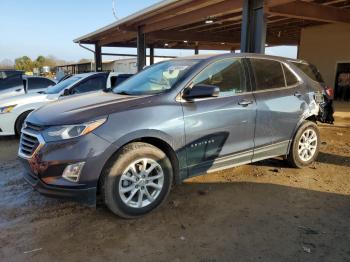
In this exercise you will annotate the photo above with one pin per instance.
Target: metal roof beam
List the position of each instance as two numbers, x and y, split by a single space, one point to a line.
312 11
195 16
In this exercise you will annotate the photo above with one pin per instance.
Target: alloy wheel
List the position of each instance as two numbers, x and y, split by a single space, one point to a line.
307 145
141 183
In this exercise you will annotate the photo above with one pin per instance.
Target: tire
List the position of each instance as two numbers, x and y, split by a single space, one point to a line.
20 121
119 177
305 146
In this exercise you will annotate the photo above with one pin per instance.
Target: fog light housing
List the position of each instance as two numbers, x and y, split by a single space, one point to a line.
72 172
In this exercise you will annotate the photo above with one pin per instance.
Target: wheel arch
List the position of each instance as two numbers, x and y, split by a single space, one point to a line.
308 117
25 112
152 140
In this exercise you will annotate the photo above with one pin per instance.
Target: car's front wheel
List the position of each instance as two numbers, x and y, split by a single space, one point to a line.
305 146
137 181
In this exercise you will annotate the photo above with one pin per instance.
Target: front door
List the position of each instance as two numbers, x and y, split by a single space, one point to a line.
220 130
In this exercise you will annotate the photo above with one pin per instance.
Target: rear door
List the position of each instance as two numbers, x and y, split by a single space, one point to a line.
220 130
280 97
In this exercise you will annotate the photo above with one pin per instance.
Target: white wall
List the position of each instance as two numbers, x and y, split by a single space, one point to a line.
128 66
324 46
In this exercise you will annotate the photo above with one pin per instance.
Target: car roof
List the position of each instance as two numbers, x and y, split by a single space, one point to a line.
238 55
28 77
83 75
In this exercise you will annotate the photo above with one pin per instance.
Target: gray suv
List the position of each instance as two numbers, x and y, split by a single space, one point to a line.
174 120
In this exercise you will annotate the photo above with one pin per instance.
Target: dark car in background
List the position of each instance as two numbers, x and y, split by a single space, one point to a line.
174 120
14 83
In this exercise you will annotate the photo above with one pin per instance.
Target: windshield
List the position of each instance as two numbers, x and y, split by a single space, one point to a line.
155 79
62 85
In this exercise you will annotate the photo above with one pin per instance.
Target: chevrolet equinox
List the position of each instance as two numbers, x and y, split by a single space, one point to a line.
174 120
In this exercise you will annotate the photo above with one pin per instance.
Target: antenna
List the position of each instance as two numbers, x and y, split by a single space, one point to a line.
114 9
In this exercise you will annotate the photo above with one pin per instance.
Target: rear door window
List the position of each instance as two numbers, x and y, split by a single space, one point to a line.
10 80
91 84
227 74
38 83
268 74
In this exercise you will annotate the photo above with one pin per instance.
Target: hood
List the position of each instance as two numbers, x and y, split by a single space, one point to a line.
6 94
83 108
23 99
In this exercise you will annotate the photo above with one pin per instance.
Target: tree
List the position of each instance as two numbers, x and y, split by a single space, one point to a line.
24 63
40 61
6 64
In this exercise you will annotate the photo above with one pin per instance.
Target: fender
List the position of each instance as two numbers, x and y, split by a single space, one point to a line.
176 146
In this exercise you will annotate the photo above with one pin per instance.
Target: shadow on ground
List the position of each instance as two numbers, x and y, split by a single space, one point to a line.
200 222
334 159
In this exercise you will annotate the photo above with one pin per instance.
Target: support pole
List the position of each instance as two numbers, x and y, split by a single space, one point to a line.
141 50
98 58
151 54
196 49
253 33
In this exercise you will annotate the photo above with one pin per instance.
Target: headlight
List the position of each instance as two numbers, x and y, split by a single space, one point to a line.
6 109
71 131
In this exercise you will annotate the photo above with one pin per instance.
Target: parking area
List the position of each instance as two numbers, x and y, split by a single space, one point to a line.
260 212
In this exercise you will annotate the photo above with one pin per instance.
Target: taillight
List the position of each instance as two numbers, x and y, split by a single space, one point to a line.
330 92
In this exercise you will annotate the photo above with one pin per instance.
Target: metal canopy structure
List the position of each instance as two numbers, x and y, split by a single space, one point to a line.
217 25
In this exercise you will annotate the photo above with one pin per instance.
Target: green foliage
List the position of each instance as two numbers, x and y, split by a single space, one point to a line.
40 61
24 63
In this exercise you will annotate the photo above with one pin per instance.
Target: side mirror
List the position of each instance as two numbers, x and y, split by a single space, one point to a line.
66 92
201 91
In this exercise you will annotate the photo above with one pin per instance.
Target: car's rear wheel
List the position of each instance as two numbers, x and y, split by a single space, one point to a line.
137 181
305 146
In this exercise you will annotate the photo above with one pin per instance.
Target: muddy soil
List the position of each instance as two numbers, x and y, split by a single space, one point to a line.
259 212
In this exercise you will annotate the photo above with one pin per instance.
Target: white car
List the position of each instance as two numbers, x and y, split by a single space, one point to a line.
13 83
14 110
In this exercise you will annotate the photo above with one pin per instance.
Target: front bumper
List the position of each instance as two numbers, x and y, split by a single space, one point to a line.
7 124
84 195
44 169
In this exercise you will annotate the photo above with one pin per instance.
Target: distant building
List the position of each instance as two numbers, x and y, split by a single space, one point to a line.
125 65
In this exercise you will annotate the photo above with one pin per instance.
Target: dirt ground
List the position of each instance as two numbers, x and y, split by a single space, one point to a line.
260 212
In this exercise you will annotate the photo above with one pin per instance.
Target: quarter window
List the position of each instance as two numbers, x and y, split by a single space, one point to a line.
227 74
291 79
268 74
310 70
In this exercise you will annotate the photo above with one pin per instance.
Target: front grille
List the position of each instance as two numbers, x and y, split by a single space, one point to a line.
28 144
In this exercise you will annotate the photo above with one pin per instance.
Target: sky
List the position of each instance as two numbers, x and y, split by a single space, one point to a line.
42 27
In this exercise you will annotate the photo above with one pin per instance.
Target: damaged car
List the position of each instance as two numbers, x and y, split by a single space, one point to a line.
173 120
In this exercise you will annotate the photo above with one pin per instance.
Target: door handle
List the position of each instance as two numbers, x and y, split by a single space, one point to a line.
297 94
245 102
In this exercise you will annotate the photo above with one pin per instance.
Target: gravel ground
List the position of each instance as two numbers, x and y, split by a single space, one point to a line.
260 212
